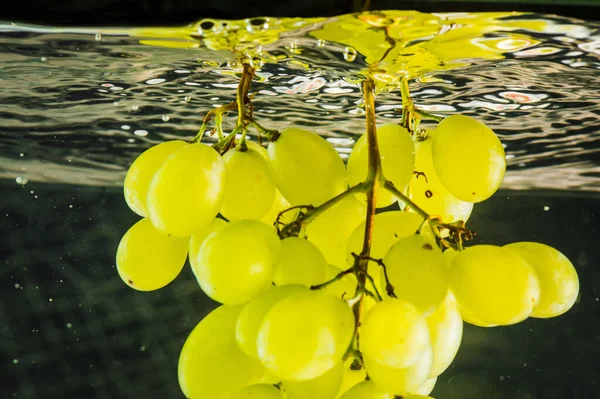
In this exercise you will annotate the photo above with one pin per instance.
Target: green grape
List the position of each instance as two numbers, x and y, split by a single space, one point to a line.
250 190
389 227
251 317
280 204
366 390
211 365
342 288
306 168
394 333
559 284
198 238
449 255
417 270
468 158
148 259
397 153
300 262
400 381
351 377
331 230
325 386
445 328
236 263
186 192
429 193
305 335
142 170
494 285
258 391
426 388
253 145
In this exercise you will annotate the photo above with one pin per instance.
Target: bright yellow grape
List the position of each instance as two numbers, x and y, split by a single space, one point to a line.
211 365
236 263
331 230
148 259
142 170
397 153
300 262
258 391
186 192
559 284
366 390
351 377
400 381
425 389
325 386
305 335
494 285
306 168
429 193
342 288
279 204
417 270
251 317
394 333
198 238
250 190
446 328
468 158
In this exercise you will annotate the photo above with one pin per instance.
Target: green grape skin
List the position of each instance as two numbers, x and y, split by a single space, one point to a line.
400 381
397 155
305 335
343 288
351 377
417 270
493 285
236 276
394 333
325 386
300 262
258 391
253 145
253 313
428 192
559 284
449 255
445 328
389 228
142 170
186 192
279 205
211 365
366 390
425 389
198 238
468 158
301 179
250 190
331 230
148 259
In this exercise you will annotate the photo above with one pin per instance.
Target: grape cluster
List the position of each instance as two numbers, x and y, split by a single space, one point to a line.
277 237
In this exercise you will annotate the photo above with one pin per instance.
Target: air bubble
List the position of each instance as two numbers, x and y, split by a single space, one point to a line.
21 180
349 54
98 37
321 43
141 132
188 99
257 24
165 118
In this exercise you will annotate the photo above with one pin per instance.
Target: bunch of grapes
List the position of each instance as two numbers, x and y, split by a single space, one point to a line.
321 297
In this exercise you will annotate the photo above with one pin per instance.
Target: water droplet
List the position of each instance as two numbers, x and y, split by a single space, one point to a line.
50 300
69 325
141 132
17 285
209 27
142 348
349 54
257 24
165 118
188 99
15 361
21 180
125 127
21 154
546 208
321 43
98 37
43 59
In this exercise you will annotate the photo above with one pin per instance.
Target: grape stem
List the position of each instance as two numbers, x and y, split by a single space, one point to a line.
411 115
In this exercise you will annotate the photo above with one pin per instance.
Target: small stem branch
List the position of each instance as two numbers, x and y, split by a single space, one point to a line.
338 277
428 115
389 186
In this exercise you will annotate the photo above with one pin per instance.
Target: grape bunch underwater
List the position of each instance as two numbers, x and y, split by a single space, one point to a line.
336 280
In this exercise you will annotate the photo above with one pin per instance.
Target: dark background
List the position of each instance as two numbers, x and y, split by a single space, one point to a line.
171 12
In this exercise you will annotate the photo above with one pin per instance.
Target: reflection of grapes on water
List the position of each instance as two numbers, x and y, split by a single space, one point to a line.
317 291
